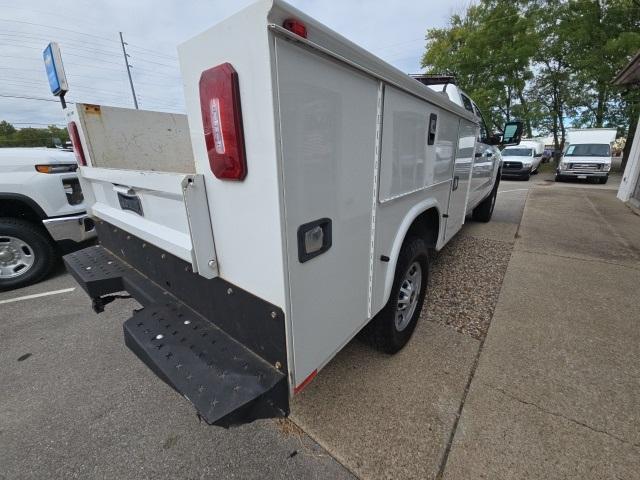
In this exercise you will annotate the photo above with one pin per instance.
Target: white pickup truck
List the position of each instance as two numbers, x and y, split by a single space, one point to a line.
41 212
298 202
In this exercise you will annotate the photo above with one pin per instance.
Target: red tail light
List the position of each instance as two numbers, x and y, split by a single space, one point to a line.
222 122
295 26
77 145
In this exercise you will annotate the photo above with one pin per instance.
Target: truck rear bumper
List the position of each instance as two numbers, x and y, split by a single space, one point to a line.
77 228
229 379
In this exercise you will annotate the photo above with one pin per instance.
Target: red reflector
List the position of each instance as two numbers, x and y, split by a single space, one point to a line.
222 122
305 382
295 26
77 145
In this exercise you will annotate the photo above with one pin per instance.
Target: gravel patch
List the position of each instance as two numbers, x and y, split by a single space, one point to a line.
466 278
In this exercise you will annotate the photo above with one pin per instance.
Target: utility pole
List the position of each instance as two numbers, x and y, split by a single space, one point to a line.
126 62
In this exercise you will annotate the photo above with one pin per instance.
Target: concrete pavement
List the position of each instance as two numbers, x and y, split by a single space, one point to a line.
76 403
556 393
552 392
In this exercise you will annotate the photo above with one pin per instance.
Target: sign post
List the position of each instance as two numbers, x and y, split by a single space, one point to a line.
55 72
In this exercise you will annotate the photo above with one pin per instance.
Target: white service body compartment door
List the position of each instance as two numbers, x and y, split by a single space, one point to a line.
462 170
328 129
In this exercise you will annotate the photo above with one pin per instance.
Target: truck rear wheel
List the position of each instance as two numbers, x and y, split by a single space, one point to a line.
392 328
26 253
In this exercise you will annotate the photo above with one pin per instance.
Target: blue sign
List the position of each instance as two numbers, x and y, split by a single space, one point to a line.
55 71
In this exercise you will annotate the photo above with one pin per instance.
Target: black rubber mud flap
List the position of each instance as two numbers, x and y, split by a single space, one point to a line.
227 382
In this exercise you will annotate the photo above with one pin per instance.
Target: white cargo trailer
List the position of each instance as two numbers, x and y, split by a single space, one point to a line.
302 206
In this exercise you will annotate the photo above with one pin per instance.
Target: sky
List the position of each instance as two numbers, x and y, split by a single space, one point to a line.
87 32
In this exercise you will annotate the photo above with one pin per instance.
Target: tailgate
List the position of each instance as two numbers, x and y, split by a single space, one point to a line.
168 210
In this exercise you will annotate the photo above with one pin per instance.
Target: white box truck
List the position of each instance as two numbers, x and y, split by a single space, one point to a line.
587 154
296 203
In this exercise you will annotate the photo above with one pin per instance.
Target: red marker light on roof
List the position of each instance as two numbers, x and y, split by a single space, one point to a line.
72 128
222 122
295 26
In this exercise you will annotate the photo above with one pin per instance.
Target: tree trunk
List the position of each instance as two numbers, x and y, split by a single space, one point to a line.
525 111
601 106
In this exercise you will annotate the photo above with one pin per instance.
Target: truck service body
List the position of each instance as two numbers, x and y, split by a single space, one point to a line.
272 225
587 154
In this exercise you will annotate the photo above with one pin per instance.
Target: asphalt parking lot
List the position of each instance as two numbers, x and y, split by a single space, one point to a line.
77 404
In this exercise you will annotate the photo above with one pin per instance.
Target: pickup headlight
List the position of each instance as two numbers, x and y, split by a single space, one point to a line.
564 165
606 167
58 168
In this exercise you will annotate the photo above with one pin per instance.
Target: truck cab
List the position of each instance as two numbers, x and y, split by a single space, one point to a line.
487 157
587 155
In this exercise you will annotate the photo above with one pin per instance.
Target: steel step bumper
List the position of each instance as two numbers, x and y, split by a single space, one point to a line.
227 382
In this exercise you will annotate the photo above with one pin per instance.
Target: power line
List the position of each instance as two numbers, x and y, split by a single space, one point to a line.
30 98
55 27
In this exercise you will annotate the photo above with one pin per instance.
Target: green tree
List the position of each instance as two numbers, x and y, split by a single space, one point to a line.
6 129
489 50
31 137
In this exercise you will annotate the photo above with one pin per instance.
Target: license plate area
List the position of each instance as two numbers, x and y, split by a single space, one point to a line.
131 203
582 177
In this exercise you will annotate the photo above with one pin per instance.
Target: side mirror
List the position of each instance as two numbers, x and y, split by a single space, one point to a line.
512 133
493 139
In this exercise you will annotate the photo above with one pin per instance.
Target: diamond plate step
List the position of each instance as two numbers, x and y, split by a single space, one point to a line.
210 369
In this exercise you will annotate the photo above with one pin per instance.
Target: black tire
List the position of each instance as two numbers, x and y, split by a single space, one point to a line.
526 177
38 247
383 332
558 178
484 210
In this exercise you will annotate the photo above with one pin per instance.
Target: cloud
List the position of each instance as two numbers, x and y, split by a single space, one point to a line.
87 32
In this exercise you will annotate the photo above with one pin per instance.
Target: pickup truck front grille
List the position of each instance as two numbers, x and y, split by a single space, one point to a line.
73 191
512 165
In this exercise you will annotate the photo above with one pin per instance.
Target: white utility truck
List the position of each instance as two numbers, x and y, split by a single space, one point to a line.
587 154
522 160
42 213
295 204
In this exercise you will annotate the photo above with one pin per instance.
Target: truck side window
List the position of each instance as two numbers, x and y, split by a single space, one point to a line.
466 101
484 132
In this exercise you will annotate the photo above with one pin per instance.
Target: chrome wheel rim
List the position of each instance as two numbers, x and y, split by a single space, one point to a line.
408 295
16 257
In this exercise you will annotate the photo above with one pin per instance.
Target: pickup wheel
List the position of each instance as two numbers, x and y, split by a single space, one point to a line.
27 254
484 210
392 327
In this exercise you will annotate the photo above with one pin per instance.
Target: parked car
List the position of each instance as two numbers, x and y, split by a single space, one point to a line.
41 212
522 160
587 155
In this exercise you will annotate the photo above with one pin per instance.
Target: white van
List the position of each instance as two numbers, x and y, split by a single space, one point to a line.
587 154
522 160
299 201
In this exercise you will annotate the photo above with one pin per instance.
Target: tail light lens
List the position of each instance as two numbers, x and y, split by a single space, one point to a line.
295 26
77 145
222 122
